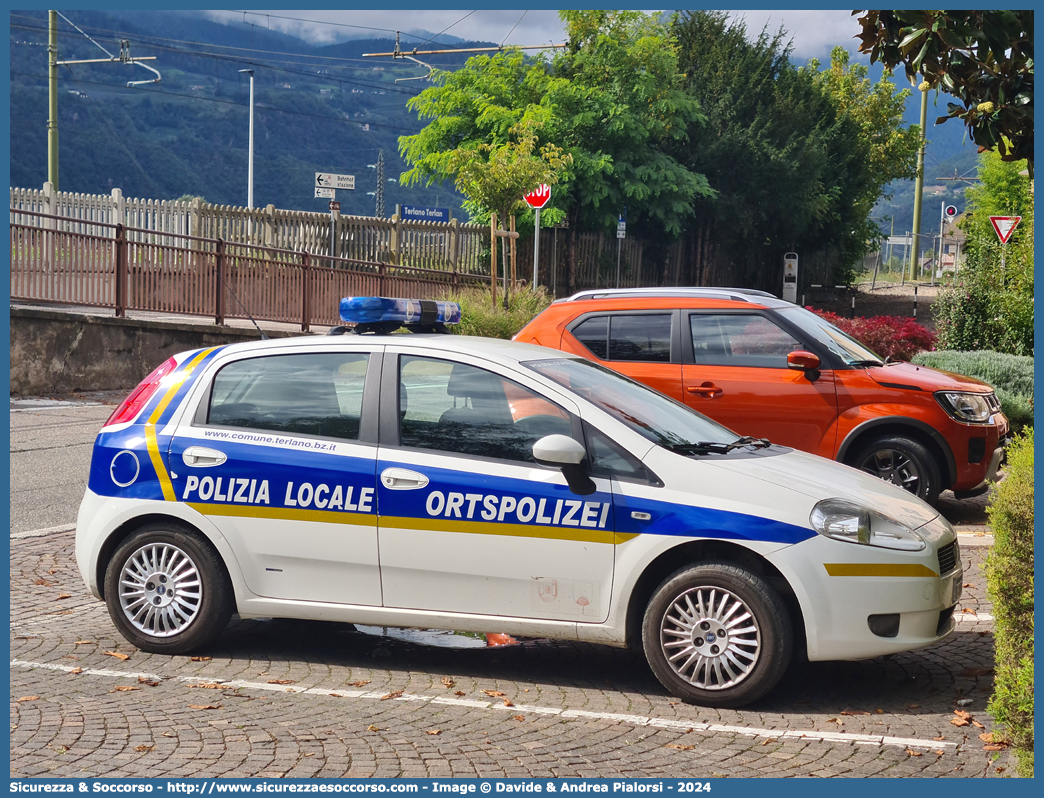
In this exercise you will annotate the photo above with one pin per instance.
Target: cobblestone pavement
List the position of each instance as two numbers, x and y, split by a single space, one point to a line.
303 699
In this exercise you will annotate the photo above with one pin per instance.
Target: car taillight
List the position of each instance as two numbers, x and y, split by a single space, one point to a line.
130 406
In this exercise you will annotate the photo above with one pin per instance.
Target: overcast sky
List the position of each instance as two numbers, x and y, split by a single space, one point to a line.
813 32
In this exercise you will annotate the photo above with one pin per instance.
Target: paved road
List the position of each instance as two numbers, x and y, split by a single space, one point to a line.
284 698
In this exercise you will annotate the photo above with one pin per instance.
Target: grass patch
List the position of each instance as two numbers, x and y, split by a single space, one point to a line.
1009 580
478 315
1010 375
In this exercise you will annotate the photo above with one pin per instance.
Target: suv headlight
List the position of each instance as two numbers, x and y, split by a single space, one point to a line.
967 407
844 520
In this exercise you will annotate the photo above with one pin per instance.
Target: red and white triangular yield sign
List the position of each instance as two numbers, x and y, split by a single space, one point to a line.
1005 226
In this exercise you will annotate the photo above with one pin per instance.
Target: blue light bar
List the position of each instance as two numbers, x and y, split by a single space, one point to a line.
376 309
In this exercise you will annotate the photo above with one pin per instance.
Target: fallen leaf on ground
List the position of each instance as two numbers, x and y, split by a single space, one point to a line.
392 694
76 670
939 739
433 731
118 655
959 722
63 596
493 693
280 681
854 712
61 612
142 749
962 713
448 682
678 747
168 734
53 571
29 698
977 725
766 742
970 610
993 747
508 702
913 706
912 752
207 686
520 717
360 683
69 656
986 737
124 688
200 659
372 728
460 692
43 583
144 680
84 643
204 706
967 584
976 671
879 711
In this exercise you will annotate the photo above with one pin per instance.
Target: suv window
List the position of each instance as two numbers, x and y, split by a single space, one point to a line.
308 394
644 337
739 339
454 407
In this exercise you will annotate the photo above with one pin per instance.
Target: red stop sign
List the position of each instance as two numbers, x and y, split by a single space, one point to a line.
538 197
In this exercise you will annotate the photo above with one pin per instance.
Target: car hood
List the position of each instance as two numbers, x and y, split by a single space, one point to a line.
927 379
819 478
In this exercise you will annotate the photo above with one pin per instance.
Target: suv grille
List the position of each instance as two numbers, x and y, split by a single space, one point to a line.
948 556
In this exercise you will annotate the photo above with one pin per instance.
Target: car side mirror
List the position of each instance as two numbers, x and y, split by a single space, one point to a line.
807 362
566 454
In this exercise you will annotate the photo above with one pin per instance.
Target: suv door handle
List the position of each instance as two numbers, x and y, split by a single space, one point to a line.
708 389
401 479
201 457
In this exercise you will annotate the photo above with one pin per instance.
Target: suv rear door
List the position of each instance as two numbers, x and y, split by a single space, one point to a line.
735 370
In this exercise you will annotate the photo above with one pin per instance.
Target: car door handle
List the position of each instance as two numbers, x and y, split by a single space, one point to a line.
708 389
401 479
201 457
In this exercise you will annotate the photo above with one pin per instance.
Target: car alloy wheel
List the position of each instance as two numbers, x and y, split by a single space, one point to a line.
160 590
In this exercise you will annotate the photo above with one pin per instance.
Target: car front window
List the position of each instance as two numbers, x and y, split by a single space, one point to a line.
652 415
823 332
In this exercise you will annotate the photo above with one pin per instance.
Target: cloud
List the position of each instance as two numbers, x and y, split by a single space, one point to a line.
814 33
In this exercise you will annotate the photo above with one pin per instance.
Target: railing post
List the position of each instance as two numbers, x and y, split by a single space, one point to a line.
396 239
380 278
306 291
121 271
219 272
454 249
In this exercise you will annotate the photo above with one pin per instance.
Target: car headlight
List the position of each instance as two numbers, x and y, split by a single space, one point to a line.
844 520
969 407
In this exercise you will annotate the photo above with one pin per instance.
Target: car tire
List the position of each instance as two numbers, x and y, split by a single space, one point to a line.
902 461
684 621
167 589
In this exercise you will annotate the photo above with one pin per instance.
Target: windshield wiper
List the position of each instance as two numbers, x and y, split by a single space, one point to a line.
717 447
865 363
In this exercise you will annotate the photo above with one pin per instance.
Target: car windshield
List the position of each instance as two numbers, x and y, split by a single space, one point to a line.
653 415
823 332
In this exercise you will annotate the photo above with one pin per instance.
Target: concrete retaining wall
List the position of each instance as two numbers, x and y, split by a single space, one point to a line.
57 352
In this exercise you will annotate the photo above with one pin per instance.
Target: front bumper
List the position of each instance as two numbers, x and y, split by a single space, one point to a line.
841 585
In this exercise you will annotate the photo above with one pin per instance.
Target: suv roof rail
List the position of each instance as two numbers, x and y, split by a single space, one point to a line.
736 294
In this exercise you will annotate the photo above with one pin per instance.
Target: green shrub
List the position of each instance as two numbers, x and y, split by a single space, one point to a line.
478 316
1010 375
1009 580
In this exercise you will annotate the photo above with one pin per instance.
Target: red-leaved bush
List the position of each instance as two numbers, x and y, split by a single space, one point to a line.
889 336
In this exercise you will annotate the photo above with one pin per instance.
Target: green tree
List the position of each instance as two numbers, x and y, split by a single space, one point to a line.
983 58
990 306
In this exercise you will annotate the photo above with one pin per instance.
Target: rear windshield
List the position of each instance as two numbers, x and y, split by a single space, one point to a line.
652 415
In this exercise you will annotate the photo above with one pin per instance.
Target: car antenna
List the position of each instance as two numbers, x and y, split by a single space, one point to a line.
247 312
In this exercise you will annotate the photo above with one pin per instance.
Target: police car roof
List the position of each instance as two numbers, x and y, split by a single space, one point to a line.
460 344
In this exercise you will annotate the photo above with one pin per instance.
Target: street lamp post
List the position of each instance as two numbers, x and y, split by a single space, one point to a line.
250 150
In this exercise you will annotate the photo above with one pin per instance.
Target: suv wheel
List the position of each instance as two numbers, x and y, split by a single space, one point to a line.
717 635
903 462
167 590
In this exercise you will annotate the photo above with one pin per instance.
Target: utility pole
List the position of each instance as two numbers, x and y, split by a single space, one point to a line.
380 184
250 144
919 185
52 82
52 110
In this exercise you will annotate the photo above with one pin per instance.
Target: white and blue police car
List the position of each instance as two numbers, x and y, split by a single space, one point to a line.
444 481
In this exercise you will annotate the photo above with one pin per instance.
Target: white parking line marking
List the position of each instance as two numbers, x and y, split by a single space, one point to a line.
971 617
39 533
632 720
974 540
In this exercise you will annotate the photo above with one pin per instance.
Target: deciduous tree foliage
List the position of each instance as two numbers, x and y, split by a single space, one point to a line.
983 58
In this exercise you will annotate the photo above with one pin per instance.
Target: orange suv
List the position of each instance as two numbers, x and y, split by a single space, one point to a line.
769 369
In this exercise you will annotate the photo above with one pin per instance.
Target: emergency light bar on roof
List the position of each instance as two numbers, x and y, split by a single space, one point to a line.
382 315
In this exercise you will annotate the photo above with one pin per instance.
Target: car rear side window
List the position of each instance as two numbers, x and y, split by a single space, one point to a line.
307 394
635 337
454 407
739 339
